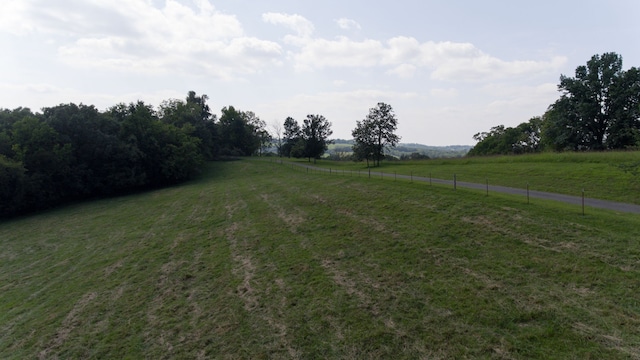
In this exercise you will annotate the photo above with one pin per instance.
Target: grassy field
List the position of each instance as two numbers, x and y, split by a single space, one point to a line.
259 260
600 174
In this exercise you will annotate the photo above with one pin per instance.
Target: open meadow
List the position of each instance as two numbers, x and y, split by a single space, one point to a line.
260 260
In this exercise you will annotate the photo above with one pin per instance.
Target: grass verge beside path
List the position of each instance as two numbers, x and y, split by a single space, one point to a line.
599 174
257 260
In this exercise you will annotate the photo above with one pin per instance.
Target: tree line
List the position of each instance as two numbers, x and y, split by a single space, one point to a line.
309 140
70 152
372 136
598 109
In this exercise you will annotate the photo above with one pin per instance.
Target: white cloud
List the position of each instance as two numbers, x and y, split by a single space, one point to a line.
65 17
403 56
405 71
514 98
303 27
483 67
135 36
342 52
347 24
12 15
401 50
47 95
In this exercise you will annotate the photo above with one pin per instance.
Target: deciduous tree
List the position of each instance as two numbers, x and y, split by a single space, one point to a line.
501 140
598 108
376 133
315 133
292 135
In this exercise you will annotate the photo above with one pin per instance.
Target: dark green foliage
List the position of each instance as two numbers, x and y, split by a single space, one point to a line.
598 108
292 135
195 118
241 133
13 183
364 145
525 138
166 153
315 133
74 151
375 133
47 160
415 156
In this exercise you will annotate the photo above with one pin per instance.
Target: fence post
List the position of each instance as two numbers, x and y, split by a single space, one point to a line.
412 176
455 181
527 193
369 173
429 178
487 187
582 201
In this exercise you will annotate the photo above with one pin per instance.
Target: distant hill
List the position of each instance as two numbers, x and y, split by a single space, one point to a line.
451 151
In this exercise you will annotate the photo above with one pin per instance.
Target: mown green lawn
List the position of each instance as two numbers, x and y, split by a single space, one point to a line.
260 260
601 175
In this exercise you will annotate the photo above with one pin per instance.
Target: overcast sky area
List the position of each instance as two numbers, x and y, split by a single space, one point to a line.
449 69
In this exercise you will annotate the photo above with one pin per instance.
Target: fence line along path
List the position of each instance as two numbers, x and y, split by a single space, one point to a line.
568 199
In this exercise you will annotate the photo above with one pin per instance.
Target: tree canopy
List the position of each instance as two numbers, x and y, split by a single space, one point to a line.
292 136
242 133
316 130
70 151
375 133
598 108
525 138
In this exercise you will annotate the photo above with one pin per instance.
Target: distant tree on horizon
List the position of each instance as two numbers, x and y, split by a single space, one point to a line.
316 130
501 140
292 135
375 133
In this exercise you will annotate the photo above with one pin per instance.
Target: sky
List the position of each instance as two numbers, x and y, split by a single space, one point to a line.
449 69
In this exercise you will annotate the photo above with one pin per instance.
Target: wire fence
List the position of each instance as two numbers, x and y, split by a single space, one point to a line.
578 200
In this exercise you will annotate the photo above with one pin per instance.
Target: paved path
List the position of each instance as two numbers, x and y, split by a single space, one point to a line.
575 200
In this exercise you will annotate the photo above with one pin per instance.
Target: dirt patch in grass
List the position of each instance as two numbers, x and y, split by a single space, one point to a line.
248 290
113 267
232 208
243 267
70 322
365 301
610 341
318 198
246 269
491 223
372 223
293 218
486 280
348 284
